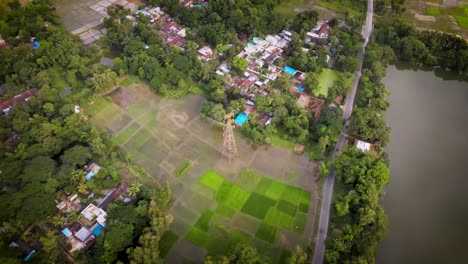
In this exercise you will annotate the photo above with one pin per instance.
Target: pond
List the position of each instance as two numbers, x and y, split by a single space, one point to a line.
426 200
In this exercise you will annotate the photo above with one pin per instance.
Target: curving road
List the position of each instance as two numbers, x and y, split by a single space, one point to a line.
348 109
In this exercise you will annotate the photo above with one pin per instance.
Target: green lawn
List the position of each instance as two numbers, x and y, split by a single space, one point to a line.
257 205
266 232
326 78
278 142
212 180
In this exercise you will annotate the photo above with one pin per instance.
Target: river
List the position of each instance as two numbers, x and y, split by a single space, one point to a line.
427 198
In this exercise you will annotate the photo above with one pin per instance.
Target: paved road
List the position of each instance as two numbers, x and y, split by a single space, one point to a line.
348 109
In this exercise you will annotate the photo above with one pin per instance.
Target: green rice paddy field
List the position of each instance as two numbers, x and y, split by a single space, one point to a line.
266 198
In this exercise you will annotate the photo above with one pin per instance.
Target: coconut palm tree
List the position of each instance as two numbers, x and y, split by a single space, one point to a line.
83 188
134 189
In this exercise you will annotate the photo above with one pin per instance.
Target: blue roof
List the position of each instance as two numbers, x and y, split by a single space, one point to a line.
66 232
241 119
256 39
300 89
36 44
97 230
198 5
30 255
89 176
250 44
289 70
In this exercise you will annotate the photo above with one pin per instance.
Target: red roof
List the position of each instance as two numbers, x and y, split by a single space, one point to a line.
17 99
324 29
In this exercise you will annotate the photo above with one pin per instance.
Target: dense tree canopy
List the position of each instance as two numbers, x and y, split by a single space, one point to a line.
358 222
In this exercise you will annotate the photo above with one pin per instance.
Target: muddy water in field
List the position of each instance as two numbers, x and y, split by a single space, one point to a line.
427 198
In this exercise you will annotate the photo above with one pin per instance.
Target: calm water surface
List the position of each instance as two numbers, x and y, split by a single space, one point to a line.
427 198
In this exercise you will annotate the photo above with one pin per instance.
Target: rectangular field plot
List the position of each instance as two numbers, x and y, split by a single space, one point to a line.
197 237
287 207
277 218
167 241
248 179
127 133
266 232
120 122
211 179
257 205
139 139
204 220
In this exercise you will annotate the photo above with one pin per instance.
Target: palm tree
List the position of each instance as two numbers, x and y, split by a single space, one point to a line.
83 188
58 220
134 189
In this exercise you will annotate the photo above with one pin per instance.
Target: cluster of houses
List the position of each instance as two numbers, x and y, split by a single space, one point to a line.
92 219
170 31
261 55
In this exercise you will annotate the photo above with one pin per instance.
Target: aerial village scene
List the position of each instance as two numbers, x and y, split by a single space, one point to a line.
190 131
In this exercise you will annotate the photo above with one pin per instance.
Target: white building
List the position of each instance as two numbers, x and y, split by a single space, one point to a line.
362 145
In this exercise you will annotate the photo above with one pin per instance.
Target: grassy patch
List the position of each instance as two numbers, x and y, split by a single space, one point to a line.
212 180
257 205
124 135
277 218
225 210
183 168
326 78
462 21
198 237
127 82
204 220
287 8
278 142
432 11
248 179
166 242
287 207
266 232
197 90
268 252
352 8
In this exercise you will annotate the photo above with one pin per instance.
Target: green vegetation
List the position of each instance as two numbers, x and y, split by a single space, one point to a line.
326 78
167 241
426 47
257 205
351 8
266 232
432 11
278 142
183 168
358 218
198 237
212 180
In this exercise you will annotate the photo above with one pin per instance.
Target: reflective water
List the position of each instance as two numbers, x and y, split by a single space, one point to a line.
427 198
